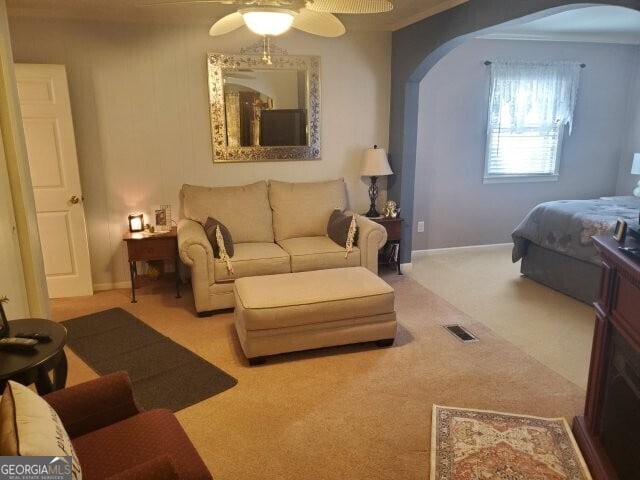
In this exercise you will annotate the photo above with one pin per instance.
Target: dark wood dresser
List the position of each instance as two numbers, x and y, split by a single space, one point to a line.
609 432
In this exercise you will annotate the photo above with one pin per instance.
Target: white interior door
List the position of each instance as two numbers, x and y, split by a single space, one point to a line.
51 148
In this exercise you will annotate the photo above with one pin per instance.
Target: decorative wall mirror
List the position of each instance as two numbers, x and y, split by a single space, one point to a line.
261 111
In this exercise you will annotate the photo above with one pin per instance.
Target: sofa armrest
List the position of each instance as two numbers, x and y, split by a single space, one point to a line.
371 237
190 234
94 404
159 468
196 252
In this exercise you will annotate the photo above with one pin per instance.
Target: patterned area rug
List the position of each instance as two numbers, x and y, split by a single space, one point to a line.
478 444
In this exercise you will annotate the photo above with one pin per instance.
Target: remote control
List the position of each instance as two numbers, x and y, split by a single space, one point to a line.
18 343
40 337
632 252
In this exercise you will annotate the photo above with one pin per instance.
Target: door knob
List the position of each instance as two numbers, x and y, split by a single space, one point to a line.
74 199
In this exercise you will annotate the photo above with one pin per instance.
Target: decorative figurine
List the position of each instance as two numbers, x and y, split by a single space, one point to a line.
391 209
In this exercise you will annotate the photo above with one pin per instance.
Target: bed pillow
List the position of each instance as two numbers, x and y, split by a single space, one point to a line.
210 227
339 226
30 427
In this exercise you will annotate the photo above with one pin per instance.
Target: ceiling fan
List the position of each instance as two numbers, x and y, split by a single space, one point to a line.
274 17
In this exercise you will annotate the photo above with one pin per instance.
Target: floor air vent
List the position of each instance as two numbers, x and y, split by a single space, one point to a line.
461 333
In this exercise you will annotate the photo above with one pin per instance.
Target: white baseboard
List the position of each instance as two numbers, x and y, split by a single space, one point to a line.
406 267
437 251
99 287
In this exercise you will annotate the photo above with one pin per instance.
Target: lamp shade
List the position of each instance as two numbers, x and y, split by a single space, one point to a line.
635 165
136 222
375 163
267 20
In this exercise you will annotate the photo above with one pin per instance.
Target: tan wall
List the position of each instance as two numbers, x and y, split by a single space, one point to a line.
22 278
140 106
12 283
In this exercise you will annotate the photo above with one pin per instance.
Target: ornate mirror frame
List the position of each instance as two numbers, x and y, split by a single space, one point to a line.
217 62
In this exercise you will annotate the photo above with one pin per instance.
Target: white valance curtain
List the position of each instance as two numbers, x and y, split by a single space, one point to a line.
524 94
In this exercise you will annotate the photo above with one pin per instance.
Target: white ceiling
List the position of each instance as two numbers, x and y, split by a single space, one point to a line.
603 24
593 23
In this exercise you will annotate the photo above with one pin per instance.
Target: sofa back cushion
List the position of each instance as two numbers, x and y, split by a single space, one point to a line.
303 209
244 210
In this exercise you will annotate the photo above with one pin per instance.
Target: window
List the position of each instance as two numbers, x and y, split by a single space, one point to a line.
529 107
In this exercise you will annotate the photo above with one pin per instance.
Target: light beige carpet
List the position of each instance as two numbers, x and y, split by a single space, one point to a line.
351 412
470 444
484 283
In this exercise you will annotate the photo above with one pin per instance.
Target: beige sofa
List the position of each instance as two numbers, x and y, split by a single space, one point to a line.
278 227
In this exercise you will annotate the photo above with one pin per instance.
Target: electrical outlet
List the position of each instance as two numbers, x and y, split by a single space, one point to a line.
420 227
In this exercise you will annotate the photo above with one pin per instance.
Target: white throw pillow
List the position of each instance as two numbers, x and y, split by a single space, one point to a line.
30 427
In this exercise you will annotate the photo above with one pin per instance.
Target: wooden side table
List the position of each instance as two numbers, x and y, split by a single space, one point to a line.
393 226
143 247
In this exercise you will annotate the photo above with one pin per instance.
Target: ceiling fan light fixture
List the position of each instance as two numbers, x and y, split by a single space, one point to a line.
268 20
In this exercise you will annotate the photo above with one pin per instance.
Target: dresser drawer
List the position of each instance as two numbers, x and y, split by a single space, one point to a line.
625 308
152 249
394 230
393 226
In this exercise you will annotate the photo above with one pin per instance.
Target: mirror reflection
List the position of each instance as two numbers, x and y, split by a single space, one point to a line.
265 107
264 111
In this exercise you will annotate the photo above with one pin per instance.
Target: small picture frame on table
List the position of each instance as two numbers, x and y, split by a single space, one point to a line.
620 231
162 218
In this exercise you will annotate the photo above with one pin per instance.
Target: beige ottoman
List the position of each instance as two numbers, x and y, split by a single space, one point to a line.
299 311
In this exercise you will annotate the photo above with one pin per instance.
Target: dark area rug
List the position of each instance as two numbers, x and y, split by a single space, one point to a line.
164 374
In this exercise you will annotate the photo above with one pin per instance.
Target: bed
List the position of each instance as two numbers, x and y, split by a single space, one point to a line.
554 244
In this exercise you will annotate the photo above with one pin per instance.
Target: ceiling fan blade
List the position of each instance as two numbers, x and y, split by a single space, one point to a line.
157 3
226 24
350 6
257 3
318 23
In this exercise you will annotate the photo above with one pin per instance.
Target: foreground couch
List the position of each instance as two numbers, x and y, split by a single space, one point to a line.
278 227
99 425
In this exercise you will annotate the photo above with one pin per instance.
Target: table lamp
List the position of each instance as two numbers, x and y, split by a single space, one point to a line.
375 165
635 170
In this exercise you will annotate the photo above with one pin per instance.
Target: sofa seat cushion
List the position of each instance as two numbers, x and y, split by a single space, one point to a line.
311 298
148 435
318 253
254 258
